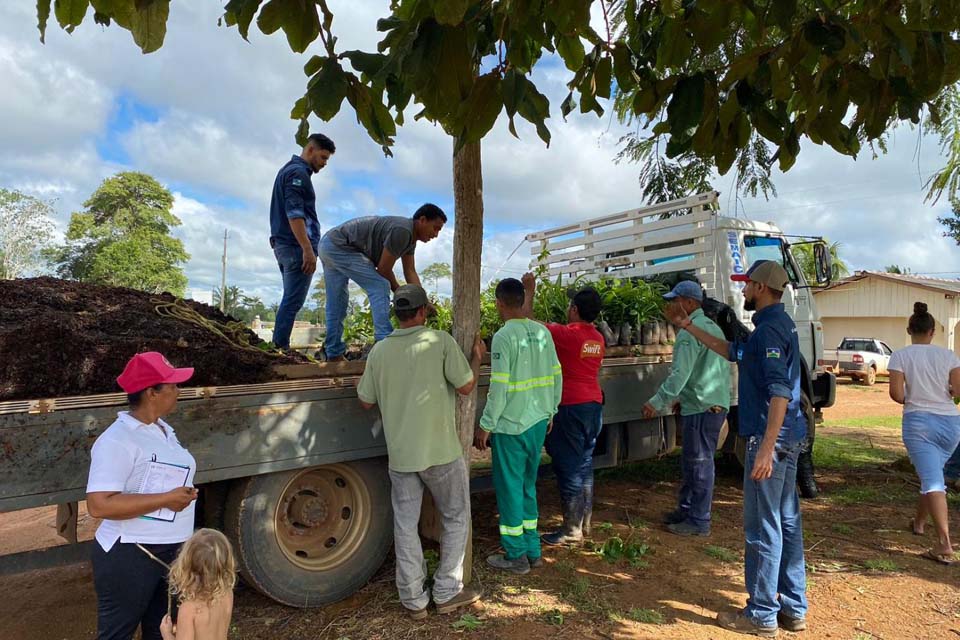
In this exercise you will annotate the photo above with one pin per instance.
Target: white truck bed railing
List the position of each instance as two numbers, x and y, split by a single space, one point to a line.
636 242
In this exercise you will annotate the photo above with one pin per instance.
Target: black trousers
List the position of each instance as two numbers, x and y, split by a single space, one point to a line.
131 589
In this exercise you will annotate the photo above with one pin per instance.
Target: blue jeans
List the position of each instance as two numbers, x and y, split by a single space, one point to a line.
700 434
570 444
773 562
296 286
340 266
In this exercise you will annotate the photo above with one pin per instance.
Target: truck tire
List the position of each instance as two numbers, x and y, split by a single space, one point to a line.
871 378
806 482
309 537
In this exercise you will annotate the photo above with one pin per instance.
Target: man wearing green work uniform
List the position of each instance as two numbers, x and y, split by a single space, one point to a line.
700 381
525 390
411 375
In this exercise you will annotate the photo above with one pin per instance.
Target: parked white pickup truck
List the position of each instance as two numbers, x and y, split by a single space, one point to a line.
860 358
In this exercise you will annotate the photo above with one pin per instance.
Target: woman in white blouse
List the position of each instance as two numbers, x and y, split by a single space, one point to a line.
141 485
924 378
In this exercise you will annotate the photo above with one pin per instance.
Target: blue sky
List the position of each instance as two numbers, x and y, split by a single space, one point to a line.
208 116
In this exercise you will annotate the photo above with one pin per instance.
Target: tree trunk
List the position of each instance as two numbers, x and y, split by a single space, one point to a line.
467 249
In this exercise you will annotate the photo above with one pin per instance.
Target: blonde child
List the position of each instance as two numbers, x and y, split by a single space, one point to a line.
202 579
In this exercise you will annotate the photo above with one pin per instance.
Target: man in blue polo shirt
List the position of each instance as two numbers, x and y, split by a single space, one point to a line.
295 230
774 427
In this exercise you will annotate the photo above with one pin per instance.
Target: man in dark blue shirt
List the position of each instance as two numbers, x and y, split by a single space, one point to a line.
295 230
771 421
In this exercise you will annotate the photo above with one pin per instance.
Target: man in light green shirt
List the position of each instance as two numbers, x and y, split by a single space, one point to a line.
525 389
700 381
412 375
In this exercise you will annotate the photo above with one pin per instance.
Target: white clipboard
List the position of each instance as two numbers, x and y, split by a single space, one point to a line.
161 477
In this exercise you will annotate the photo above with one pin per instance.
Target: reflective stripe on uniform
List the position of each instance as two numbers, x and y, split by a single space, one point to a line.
511 531
532 383
529 524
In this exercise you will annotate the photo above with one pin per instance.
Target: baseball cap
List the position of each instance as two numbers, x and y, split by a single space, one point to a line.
149 369
765 272
685 289
409 296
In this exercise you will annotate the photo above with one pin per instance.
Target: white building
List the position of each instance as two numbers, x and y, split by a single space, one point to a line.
872 304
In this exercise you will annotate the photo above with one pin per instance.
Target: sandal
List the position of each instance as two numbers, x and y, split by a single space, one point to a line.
940 558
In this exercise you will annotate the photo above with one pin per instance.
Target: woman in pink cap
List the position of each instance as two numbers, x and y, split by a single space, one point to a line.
141 485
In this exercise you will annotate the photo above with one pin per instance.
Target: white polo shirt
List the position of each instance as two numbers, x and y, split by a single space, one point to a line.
118 462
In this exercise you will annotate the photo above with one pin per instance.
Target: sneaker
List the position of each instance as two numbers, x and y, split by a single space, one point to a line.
467 596
736 621
536 563
789 623
675 516
687 529
518 566
417 614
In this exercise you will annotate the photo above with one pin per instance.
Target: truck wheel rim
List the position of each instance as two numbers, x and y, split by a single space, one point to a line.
322 517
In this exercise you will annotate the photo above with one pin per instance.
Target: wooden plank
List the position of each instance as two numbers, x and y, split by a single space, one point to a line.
599 268
634 230
320 369
698 200
638 349
668 267
589 257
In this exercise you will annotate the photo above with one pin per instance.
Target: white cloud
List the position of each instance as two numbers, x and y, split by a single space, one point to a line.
47 102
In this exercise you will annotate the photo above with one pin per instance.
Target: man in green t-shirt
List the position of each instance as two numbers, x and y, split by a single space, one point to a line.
525 389
412 375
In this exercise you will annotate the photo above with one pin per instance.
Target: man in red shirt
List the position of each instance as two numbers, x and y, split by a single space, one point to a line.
571 440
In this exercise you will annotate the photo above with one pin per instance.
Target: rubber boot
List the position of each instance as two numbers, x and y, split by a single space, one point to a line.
806 481
587 509
570 532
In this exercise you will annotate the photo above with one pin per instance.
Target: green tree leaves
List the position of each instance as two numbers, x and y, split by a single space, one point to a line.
297 18
711 77
69 13
122 238
327 87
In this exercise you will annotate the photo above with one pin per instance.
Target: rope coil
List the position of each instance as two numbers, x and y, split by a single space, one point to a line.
234 332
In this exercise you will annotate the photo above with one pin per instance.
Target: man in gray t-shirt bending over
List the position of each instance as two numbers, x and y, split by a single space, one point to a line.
365 250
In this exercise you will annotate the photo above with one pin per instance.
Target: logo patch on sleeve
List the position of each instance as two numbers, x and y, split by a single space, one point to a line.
494 356
297 182
773 353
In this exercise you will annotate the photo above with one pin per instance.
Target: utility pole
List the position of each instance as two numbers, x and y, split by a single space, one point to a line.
223 276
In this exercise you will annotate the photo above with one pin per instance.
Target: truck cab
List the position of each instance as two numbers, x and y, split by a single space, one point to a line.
744 242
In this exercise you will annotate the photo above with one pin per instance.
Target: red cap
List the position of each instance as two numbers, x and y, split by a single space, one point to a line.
149 369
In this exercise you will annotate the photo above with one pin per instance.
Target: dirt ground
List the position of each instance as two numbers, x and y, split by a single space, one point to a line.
634 581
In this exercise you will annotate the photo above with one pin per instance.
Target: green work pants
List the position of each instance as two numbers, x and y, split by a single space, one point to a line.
516 460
